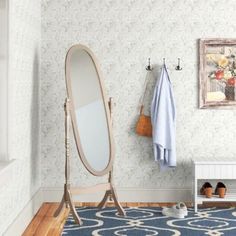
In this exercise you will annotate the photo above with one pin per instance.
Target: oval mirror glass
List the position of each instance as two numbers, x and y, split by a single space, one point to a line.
88 110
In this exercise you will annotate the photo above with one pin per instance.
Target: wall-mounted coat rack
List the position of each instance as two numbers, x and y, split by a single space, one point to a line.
178 67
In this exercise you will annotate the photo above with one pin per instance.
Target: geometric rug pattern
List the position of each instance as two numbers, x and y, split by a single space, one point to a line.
141 221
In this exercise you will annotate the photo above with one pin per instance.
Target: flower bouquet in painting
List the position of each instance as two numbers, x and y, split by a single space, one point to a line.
222 77
218 73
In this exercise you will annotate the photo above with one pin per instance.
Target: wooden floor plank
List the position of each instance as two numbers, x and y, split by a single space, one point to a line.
57 226
47 221
31 229
44 224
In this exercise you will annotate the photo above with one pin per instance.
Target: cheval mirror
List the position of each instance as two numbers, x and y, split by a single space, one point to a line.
89 111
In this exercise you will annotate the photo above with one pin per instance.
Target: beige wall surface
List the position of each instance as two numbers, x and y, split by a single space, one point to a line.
123 34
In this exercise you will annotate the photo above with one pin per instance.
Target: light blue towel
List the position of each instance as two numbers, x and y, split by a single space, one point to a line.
163 122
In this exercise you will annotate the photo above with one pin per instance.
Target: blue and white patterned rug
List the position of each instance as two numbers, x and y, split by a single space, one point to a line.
149 221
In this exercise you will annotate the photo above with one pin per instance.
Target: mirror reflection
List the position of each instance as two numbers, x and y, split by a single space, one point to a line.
89 110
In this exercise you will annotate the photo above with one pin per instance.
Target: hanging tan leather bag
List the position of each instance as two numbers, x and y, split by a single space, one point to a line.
144 124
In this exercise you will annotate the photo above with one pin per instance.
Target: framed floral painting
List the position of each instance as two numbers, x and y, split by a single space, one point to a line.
217 73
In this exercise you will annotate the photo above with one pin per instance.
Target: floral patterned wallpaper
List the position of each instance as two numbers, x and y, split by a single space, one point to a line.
123 34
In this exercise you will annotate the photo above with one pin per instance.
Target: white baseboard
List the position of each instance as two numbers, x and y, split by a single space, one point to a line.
125 195
26 215
49 194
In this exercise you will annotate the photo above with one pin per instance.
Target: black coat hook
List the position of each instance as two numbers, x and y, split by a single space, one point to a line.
149 67
178 66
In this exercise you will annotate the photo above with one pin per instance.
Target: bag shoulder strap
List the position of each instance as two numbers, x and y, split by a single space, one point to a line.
144 92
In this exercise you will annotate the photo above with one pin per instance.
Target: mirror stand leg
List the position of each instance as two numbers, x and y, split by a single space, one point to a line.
102 204
117 204
67 201
72 209
60 207
111 193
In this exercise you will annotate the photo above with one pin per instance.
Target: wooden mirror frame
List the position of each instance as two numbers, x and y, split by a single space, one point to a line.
72 111
108 187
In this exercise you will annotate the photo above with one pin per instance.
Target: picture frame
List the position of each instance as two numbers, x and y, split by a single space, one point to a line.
217 73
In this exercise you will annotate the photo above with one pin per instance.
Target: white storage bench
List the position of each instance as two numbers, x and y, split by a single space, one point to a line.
213 170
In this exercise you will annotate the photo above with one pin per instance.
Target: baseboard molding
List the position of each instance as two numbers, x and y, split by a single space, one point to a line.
26 215
125 195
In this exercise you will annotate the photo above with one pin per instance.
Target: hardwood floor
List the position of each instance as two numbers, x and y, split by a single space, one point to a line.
44 224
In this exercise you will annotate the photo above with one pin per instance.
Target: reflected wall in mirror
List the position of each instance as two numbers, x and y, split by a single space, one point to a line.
89 113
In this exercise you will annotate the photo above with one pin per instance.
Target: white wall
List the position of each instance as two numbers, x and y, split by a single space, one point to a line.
3 75
24 55
123 34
